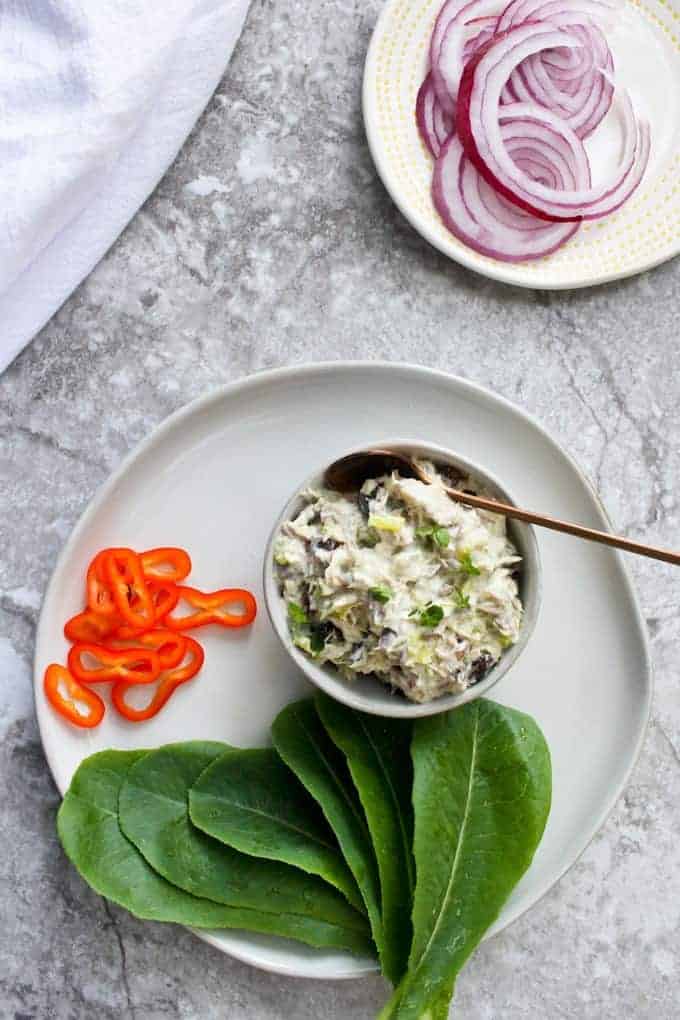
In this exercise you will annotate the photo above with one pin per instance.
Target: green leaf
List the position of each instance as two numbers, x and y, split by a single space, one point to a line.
377 752
466 564
431 616
381 593
297 614
462 601
91 836
253 803
305 747
481 795
425 532
441 537
153 809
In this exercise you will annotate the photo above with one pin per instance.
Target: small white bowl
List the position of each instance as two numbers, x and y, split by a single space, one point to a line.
366 693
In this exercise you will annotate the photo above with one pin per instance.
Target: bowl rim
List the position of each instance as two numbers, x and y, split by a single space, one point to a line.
325 677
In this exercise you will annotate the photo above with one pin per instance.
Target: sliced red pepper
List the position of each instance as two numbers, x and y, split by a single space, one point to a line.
167 684
99 594
133 600
135 665
229 607
166 564
171 647
91 628
165 596
78 704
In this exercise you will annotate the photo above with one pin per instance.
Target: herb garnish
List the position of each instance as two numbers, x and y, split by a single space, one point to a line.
431 616
466 564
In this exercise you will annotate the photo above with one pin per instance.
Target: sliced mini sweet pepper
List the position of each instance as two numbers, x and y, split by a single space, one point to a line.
90 627
76 703
99 594
166 564
229 607
165 596
131 594
170 646
94 664
168 683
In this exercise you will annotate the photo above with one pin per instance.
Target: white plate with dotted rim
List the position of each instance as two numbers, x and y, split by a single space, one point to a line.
645 42
584 676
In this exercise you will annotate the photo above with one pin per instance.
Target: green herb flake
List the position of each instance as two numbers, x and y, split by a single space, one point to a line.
368 538
381 593
466 564
296 614
441 537
425 533
431 616
461 600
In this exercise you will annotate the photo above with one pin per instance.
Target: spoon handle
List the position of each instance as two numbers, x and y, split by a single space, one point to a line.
604 537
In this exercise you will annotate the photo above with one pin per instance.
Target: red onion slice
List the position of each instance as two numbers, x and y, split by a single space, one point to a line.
520 11
446 15
485 221
479 128
455 47
564 80
434 125
588 100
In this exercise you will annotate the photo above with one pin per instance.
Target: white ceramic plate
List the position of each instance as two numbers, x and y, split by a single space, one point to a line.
646 231
214 477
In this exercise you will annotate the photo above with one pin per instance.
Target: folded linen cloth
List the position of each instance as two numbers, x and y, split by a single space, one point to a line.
96 99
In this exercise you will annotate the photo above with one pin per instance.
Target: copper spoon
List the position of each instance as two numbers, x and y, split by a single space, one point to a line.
349 473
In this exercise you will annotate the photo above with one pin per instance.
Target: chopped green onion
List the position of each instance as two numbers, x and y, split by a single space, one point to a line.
297 614
466 564
427 531
461 600
381 593
431 616
441 537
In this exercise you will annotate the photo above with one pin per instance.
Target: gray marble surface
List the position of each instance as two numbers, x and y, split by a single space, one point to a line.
272 242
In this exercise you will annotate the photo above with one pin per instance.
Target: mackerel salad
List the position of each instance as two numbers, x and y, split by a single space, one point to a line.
400 582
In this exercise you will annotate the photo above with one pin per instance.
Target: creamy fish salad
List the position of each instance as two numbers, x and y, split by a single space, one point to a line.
401 583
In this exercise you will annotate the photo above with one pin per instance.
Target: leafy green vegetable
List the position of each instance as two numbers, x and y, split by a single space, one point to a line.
297 614
481 795
91 836
466 564
431 616
461 600
305 747
153 810
317 641
425 532
377 752
440 536
253 803
381 593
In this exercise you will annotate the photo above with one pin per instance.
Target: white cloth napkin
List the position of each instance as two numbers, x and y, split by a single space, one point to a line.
96 99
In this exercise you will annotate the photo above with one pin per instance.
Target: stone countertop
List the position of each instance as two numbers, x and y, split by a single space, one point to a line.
272 242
